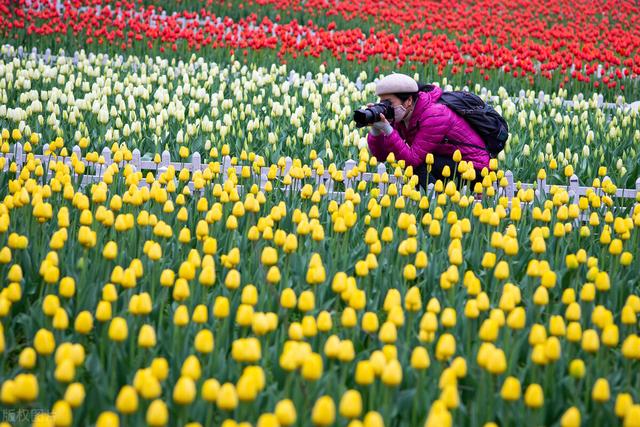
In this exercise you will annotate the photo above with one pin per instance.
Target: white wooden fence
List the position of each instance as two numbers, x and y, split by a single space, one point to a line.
350 174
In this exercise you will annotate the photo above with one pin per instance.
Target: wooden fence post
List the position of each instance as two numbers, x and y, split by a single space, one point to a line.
165 160
226 164
382 169
510 189
135 160
78 152
574 183
264 177
287 165
319 178
43 161
430 191
288 162
348 167
196 162
542 187
106 154
19 158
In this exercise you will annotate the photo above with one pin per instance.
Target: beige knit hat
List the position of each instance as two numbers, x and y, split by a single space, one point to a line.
396 83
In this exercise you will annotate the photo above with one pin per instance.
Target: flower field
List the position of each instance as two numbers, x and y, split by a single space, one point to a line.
232 287
583 45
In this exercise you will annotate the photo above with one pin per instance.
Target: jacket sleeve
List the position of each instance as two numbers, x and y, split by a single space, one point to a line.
377 146
428 139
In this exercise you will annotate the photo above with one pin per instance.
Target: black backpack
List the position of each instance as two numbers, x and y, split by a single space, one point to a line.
482 118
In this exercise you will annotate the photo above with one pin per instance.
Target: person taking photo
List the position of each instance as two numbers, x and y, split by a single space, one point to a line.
422 125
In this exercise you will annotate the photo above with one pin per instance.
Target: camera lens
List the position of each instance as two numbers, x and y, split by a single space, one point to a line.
370 115
363 117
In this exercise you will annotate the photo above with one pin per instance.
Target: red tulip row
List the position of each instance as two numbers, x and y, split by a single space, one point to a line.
593 42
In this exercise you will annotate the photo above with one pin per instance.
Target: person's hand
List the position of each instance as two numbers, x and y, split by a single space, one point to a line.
382 126
384 120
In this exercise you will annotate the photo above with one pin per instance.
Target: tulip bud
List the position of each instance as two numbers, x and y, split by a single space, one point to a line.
600 392
26 387
420 358
312 367
288 298
75 395
571 418
221 307
324 411
497 362
147 337
118 330
157 413
510 389
351 404
127 400
184 392
27 359
286 412
44 342
62 414
577 368
204 341
392 373
624 402
191 368
446 347
534 397
364 374
65 371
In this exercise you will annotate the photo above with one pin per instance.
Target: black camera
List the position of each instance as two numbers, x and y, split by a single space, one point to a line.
370 115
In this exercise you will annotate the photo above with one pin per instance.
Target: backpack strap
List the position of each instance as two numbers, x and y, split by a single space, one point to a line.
466 144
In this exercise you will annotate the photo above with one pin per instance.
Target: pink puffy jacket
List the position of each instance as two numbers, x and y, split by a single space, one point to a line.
429 125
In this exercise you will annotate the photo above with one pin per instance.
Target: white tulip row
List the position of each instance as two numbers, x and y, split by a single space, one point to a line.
542 99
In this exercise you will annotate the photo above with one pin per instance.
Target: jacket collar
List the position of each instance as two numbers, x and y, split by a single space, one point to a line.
424 101
407 118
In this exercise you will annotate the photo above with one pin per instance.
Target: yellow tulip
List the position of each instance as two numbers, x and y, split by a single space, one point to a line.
600 392
184 391
324 411
286 412
127 400
571 418
534 397
157 413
